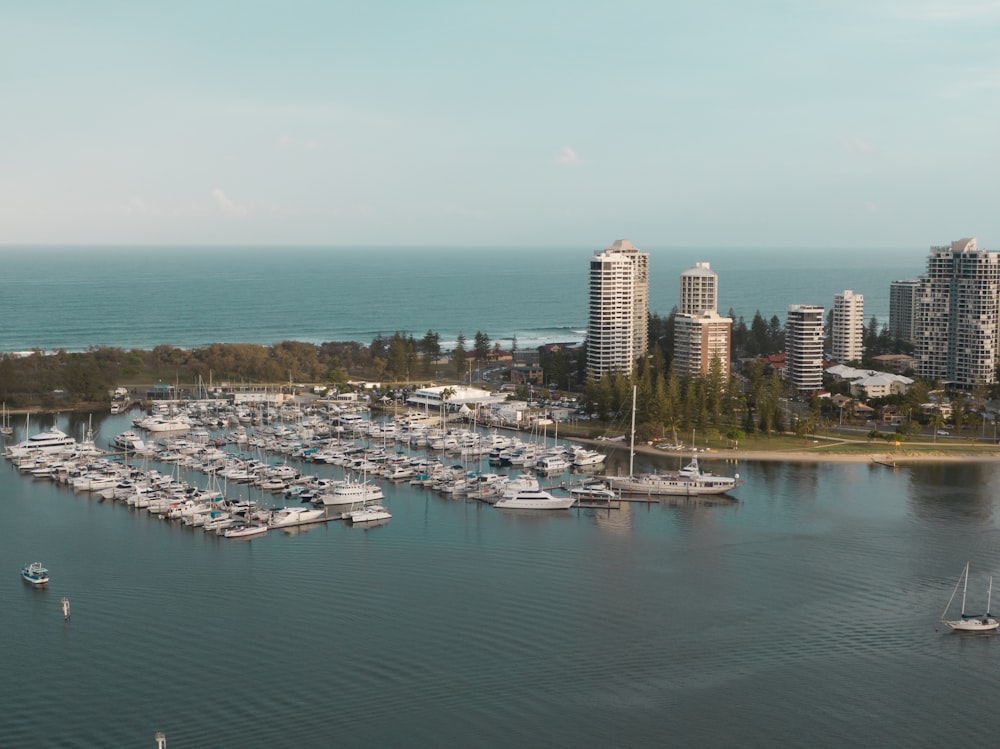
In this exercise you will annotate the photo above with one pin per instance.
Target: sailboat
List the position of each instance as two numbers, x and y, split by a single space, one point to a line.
688 481
5 428
970 622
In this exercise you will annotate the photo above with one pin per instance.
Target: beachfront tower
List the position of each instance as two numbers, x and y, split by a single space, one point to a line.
957 309
618 323
699 290
903 309
804 347
848 333
701 336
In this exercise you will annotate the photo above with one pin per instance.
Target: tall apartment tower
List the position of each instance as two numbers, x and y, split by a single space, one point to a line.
903 309
701 336
618 324
804 347
957 311
699 290
848 332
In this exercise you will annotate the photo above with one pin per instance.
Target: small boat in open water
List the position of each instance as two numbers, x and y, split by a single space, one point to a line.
970 622
35 573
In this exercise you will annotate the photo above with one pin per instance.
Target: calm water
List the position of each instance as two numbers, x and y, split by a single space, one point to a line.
75 298
805 613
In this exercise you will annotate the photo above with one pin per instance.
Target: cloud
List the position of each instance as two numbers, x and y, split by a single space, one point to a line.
568 156
226 206
853 144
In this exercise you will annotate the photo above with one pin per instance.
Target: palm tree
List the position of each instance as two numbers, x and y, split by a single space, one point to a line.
447 393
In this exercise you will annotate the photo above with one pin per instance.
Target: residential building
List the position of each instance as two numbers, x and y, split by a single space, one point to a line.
903 309
618 324
957 311
699 290
700 339
804 347
848 330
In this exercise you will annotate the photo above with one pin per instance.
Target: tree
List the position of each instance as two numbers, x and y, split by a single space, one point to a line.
481 347
458 357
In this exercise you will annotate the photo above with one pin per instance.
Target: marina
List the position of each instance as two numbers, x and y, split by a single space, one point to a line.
445 583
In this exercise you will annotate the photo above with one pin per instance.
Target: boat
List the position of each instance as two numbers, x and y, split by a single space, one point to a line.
35 573
970 622
593 491
288 516
689 481
350 492
5 428
52 441
368 514
245 531
537 499
129 442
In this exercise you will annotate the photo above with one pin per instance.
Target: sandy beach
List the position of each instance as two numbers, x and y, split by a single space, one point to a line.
883 457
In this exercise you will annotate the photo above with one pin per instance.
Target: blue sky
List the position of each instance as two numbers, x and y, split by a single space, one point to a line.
699 124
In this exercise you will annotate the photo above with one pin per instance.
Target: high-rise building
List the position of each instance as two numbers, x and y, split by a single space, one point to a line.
903 309
804 347
699 340
618 324
957 310
699 290
848 332
700 334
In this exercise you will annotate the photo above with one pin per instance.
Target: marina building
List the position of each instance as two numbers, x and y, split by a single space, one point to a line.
903 309
957 312
618 322
804 347
848 330
700 334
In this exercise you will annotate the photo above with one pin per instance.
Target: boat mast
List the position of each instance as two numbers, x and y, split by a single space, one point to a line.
965 587
989 595
631 449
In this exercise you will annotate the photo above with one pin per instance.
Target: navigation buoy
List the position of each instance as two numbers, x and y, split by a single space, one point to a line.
65 607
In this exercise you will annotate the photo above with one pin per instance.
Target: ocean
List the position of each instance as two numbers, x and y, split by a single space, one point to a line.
75 298
803 611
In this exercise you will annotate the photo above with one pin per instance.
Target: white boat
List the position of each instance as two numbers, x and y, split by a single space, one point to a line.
129 442
689 481
593 491
583 458
552 464
537 499
351 492
5 428
288 516
245 531
970 622
52 441
368 514
35 573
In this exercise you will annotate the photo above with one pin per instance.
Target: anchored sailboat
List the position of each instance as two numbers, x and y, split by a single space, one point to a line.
970 622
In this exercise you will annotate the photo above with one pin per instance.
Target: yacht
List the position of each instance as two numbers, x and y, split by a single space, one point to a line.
538 499
300 515
245 531
35 573
52 441
368 514
688 481
349 493
129 442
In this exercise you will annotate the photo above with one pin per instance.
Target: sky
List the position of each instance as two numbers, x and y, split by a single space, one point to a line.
716 123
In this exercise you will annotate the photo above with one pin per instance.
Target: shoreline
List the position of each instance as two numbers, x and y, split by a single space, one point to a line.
884 457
